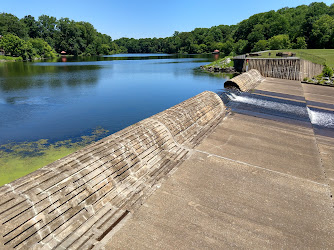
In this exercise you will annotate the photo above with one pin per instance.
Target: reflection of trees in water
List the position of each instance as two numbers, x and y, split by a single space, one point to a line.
21 75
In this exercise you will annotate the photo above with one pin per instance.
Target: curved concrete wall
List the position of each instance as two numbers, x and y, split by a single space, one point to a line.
246 81
76 201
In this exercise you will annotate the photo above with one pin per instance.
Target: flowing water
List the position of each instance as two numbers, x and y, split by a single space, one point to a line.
285 109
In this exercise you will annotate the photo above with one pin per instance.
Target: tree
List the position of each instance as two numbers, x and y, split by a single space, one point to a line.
10 24
42 48
256 35
227 47
327 71
279 42
314 12
16 46
279 25
331 10
32 26
323 33
300 43
240 47
48 29
260 46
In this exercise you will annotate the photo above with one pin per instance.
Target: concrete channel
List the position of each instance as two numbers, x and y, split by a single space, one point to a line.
254 172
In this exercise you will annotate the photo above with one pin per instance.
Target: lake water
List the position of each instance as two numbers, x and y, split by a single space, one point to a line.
56 100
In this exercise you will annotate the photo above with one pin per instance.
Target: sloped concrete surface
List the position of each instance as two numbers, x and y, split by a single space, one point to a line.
321 99
251 179
75 202
216 203
246 81
258 181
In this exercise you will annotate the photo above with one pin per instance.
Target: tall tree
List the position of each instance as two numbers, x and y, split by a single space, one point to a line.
322 35
32 26
10 24
48 29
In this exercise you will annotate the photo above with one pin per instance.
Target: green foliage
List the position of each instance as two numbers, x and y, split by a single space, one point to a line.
42 48
13 45
322 35
260 46
240 47
279 42
10 58
300 43
222 63
302 27
32 26
327 71
10 24
46 36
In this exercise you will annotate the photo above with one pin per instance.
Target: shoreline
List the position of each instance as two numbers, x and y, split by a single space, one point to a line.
213 69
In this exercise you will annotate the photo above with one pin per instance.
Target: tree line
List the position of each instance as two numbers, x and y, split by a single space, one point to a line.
47 36
306 26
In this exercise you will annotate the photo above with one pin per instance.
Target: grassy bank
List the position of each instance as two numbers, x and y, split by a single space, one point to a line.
10 59
221 63
19 159
319 56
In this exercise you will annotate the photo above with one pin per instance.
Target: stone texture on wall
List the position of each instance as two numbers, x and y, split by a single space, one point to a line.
76 201
283 68
246 81
310 69
277 68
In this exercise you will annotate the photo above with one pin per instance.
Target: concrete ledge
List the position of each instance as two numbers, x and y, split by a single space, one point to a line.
246 81
76 201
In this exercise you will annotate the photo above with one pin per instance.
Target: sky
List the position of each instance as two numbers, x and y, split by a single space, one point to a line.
148 18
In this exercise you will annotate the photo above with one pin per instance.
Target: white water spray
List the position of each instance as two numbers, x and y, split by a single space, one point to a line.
325 119
321 118
283 107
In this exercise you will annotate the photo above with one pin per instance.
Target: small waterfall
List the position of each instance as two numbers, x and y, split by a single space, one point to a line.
279 107
324 119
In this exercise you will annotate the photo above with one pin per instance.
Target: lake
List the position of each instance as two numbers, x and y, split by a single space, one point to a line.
68 99
56 100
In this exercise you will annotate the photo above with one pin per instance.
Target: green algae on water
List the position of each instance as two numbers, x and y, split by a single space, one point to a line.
20 159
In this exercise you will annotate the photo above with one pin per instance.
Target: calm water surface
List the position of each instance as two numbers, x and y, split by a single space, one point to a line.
56 100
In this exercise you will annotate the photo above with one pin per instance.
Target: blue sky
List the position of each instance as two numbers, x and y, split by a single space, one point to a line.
147 18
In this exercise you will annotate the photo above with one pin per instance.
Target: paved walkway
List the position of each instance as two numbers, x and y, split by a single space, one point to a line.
258 181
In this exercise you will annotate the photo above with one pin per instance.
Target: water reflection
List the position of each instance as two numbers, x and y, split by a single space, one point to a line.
20 76
55 100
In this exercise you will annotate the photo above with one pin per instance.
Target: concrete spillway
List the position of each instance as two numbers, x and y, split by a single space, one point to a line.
75 201
261 178
246 81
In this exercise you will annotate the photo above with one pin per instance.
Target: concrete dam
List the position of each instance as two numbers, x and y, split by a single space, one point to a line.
256 171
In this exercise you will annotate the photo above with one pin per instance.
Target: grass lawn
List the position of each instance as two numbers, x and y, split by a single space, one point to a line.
319 56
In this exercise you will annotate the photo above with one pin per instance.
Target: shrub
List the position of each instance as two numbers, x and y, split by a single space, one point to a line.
279 42
327 71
